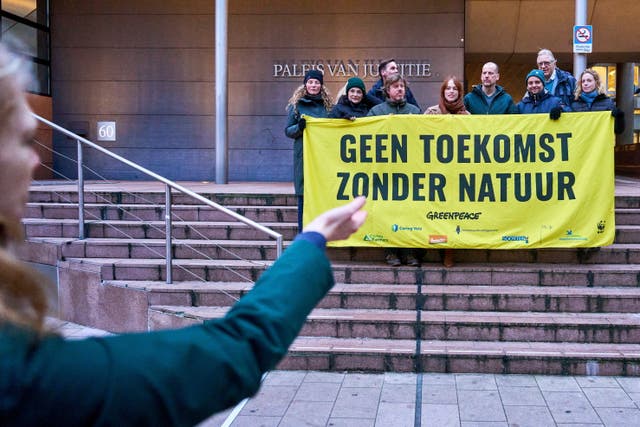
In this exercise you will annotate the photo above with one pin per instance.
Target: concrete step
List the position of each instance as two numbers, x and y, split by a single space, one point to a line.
148 212
627 233
155 248
95 247
401 355
44 227
445 325
191 212
379 355
552 299
508 274
627 216
158 198
249 198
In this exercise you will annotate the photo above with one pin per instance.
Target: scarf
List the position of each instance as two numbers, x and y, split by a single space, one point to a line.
456 107
589 97
316 98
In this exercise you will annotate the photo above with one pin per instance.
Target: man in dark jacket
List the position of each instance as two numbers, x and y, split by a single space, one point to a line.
488 97
558 82
537 99
387 68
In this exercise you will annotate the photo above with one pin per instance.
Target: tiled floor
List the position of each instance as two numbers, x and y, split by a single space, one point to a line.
306 398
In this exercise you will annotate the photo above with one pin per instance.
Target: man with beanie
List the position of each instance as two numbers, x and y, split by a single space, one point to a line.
537 99
355 102
558 82
488 97
386 68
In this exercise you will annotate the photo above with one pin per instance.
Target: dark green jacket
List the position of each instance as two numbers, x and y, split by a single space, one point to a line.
390 107
173 377
308 107
502 103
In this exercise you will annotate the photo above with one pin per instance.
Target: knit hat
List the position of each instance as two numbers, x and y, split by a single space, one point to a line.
356 82
314 74
535 73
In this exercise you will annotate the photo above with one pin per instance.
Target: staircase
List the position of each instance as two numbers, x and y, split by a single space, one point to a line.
553 311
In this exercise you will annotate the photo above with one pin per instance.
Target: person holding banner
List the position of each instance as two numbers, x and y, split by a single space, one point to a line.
537 99
591 95
450 103
450 98
311 99
396 103
355 102
488 97
395 89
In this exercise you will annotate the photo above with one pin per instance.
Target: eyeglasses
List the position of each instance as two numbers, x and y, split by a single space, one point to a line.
545 63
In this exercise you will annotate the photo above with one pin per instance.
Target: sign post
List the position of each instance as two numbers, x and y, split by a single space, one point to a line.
582 38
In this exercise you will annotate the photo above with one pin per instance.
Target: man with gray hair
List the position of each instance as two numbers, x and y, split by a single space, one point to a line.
558 82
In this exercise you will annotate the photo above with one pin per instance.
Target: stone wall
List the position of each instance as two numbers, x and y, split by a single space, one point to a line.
149 66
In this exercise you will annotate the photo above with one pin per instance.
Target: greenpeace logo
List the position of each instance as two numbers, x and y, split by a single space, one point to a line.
515 239
458 216
437 238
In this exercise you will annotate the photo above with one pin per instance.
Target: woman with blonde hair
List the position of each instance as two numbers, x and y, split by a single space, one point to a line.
310 99
171 377
591 95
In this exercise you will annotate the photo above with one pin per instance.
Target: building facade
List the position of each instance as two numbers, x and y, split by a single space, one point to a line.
148 67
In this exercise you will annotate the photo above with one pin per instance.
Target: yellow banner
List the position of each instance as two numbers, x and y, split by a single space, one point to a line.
450 181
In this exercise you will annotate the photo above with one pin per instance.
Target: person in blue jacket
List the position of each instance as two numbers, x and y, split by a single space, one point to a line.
163 378
537 99
310 99
488 97
557 82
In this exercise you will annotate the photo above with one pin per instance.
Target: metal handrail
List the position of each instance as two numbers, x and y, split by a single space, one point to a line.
168 197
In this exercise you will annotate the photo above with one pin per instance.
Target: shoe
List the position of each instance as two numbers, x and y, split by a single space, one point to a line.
448 258
393 260
412 261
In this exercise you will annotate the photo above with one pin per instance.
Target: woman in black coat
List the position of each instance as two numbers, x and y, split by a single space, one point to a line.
355 102
591 95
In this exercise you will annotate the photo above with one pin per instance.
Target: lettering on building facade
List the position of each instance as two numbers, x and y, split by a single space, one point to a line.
414 68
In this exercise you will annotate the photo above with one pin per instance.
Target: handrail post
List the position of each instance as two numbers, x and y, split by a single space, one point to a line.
81 235
278 246
168 233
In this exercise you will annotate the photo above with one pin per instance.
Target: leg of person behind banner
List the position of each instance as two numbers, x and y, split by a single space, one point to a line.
300 207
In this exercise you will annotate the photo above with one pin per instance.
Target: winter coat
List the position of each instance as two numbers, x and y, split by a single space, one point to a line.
565 87
541 103
308 107
170 377
390 107
345 109
377 91
435 109
502 103
601 103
